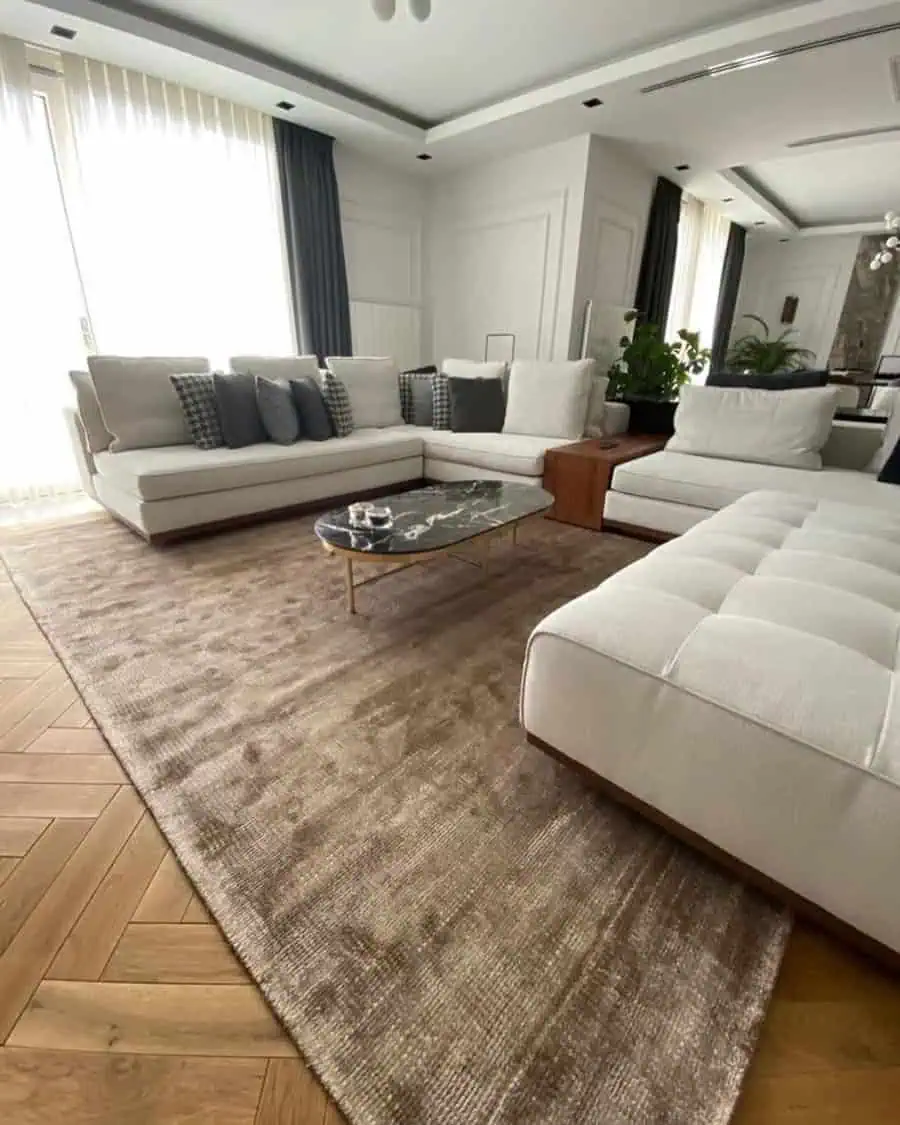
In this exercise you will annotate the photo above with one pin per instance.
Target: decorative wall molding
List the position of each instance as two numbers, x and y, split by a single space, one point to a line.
384 254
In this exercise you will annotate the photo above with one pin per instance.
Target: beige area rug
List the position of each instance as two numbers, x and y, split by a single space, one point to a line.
454 929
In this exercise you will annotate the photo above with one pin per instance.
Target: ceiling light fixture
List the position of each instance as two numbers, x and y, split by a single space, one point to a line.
386 9
890 248
745 63
286 106
424 156
592 103
62 32
728 199
682 167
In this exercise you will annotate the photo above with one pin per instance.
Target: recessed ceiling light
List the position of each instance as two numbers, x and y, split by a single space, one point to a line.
592 103
424 156
784 240
62 32
286 106
760 223
728 199
682 167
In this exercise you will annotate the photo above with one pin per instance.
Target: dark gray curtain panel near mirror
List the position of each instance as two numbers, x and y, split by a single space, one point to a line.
732 268
654 290
315 243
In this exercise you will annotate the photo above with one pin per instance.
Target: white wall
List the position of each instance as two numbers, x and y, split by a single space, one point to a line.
816 269
383 220
618 195
503 252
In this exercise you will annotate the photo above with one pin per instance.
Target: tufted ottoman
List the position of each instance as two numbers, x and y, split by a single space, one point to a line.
741 683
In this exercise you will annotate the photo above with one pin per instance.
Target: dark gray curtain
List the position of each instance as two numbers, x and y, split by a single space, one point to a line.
315 244
732 269
654 290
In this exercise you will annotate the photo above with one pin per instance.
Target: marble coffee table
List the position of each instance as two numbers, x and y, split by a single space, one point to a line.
429 523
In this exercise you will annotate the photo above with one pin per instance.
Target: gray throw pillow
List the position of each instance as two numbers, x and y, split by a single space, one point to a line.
197 396
277 410
238 412
422 397
315 421
477 406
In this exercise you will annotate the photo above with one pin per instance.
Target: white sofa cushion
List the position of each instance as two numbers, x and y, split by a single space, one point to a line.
95 431
771 427
890 403
276 367
471 369
709 482
518 454
745 677
548 399
374 389
137 400
162 474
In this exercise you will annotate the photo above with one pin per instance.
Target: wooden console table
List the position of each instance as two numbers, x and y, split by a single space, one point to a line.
578 476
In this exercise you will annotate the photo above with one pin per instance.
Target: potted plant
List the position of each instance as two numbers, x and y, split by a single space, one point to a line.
650 372
763 355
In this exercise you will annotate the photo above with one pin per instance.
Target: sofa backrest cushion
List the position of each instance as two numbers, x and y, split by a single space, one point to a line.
548 399
777 381
277 410
315 421
95 432
770 427
139 405
275 366
373 385
238 410
477 406
891 435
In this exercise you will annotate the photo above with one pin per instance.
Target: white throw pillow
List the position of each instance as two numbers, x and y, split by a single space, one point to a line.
137 400
276 367
888 400
548 399
374 389
470 369
594 425
769 427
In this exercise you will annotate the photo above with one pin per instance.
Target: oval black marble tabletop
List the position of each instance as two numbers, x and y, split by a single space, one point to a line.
436 517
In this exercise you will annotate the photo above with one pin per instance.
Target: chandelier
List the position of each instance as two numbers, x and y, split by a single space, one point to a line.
387 9
890 248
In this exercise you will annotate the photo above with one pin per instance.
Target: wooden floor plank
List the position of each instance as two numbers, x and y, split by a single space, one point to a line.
8 864
23 703
34 875
32 950
75 716
69 740
154 1019
291 1095
46 1087
856 1097
333 1115
93 939
18 737
24 669
71 769
38 799
196 912
174 954
9 689
168 895
18 833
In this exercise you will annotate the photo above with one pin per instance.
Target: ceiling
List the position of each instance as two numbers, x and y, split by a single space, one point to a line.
470 53
483 78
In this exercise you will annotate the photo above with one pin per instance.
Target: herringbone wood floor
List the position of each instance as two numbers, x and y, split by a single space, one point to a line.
121 1002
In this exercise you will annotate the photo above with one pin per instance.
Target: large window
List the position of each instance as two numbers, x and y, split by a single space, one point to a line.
702 240
136 217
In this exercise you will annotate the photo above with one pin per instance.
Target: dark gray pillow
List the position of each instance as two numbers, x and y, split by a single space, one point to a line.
315 421
422 400
277 410
476 406
238 412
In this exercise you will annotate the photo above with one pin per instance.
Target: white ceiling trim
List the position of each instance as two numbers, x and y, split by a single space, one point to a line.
749 191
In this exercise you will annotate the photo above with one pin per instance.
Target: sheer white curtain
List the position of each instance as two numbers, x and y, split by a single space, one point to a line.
40 334
702 241
176 217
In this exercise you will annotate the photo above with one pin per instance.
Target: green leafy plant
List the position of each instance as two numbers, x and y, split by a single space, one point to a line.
651 368
764 355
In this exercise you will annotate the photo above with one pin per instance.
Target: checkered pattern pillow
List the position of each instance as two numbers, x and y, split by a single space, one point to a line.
440 389
197 396
407 404
337 399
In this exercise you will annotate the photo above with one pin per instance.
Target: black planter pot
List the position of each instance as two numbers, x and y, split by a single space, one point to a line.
651 415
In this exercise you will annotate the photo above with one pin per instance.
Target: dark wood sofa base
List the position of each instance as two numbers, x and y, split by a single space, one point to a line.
633 531
886 956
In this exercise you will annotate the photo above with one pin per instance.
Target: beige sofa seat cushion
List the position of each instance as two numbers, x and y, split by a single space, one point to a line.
708 482
137 400
505 453
163 474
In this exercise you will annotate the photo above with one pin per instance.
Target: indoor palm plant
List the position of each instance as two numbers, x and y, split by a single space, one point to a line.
650 372
763 355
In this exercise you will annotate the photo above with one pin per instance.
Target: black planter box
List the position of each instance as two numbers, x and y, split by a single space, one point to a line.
651 415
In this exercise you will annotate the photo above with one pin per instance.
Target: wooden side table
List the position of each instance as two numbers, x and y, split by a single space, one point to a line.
578 475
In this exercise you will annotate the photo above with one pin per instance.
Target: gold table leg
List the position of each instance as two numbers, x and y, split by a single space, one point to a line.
348 576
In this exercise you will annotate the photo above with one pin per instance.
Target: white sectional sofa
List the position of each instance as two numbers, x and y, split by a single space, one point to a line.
742 684
165 491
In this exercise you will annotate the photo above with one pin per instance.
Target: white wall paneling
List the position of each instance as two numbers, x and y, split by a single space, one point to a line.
815 270
387 330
